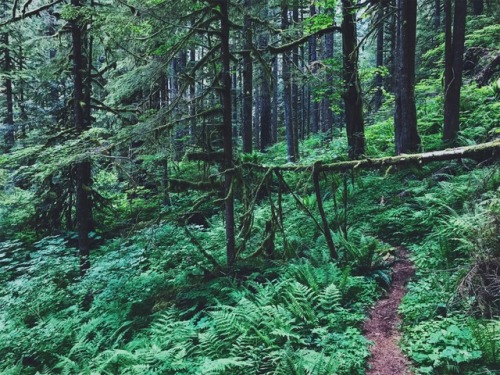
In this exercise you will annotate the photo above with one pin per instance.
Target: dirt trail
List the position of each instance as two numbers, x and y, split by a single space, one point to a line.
382 328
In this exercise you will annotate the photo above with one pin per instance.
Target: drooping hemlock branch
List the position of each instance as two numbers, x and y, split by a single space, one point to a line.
302 40
34 12
478 152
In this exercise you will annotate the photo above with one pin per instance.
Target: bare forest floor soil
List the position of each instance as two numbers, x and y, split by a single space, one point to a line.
382 328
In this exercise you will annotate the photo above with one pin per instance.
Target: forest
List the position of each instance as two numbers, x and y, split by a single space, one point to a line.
250 187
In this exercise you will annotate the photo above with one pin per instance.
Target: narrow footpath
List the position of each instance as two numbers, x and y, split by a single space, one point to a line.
382 328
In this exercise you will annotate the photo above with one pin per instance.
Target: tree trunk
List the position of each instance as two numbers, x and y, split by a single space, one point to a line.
377 100
454 52
405 118
9 136
275 109
82 123
234 101
319 201
352 95
227 133
477 7
295 87
265 91
287 92
391 81
192 96
437 14
327 122
247 81
23 116
313 57
256 116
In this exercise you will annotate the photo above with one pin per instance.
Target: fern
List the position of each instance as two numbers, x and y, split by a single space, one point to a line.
330 298
224 365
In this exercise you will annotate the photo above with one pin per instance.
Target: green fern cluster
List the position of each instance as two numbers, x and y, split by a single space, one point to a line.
301 323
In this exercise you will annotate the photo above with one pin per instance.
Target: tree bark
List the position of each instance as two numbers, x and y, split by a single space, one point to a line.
352 95
295 88
454 53
287 92
377 100
265 91
313 57
319 201
9 136
227 133
405 117
327 122
437 14
477 7
82 123
247 81
275 109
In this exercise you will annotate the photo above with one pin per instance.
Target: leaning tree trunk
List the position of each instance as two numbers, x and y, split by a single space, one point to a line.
82 123
227 133
454 52
352 95
405 117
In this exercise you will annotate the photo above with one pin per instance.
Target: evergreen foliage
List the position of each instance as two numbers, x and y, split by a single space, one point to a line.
158 297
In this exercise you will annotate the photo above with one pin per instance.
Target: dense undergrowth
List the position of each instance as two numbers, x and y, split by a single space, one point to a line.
157 301
151 304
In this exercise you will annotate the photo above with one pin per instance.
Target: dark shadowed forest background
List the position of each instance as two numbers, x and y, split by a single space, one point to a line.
221 187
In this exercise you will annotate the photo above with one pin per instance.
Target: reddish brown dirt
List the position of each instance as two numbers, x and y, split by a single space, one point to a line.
382 328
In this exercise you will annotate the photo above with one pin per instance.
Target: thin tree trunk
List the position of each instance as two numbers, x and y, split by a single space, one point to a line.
319 201
313 57
477 7
9 136
275 106
265 91
352 95
22 106
377 101
81 121
327 122
454 51
287 92
391 82
256 116
247 81
437 14
227 134
234 102
192 95
295 87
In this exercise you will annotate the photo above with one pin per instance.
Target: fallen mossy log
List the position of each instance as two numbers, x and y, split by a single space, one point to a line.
481 152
